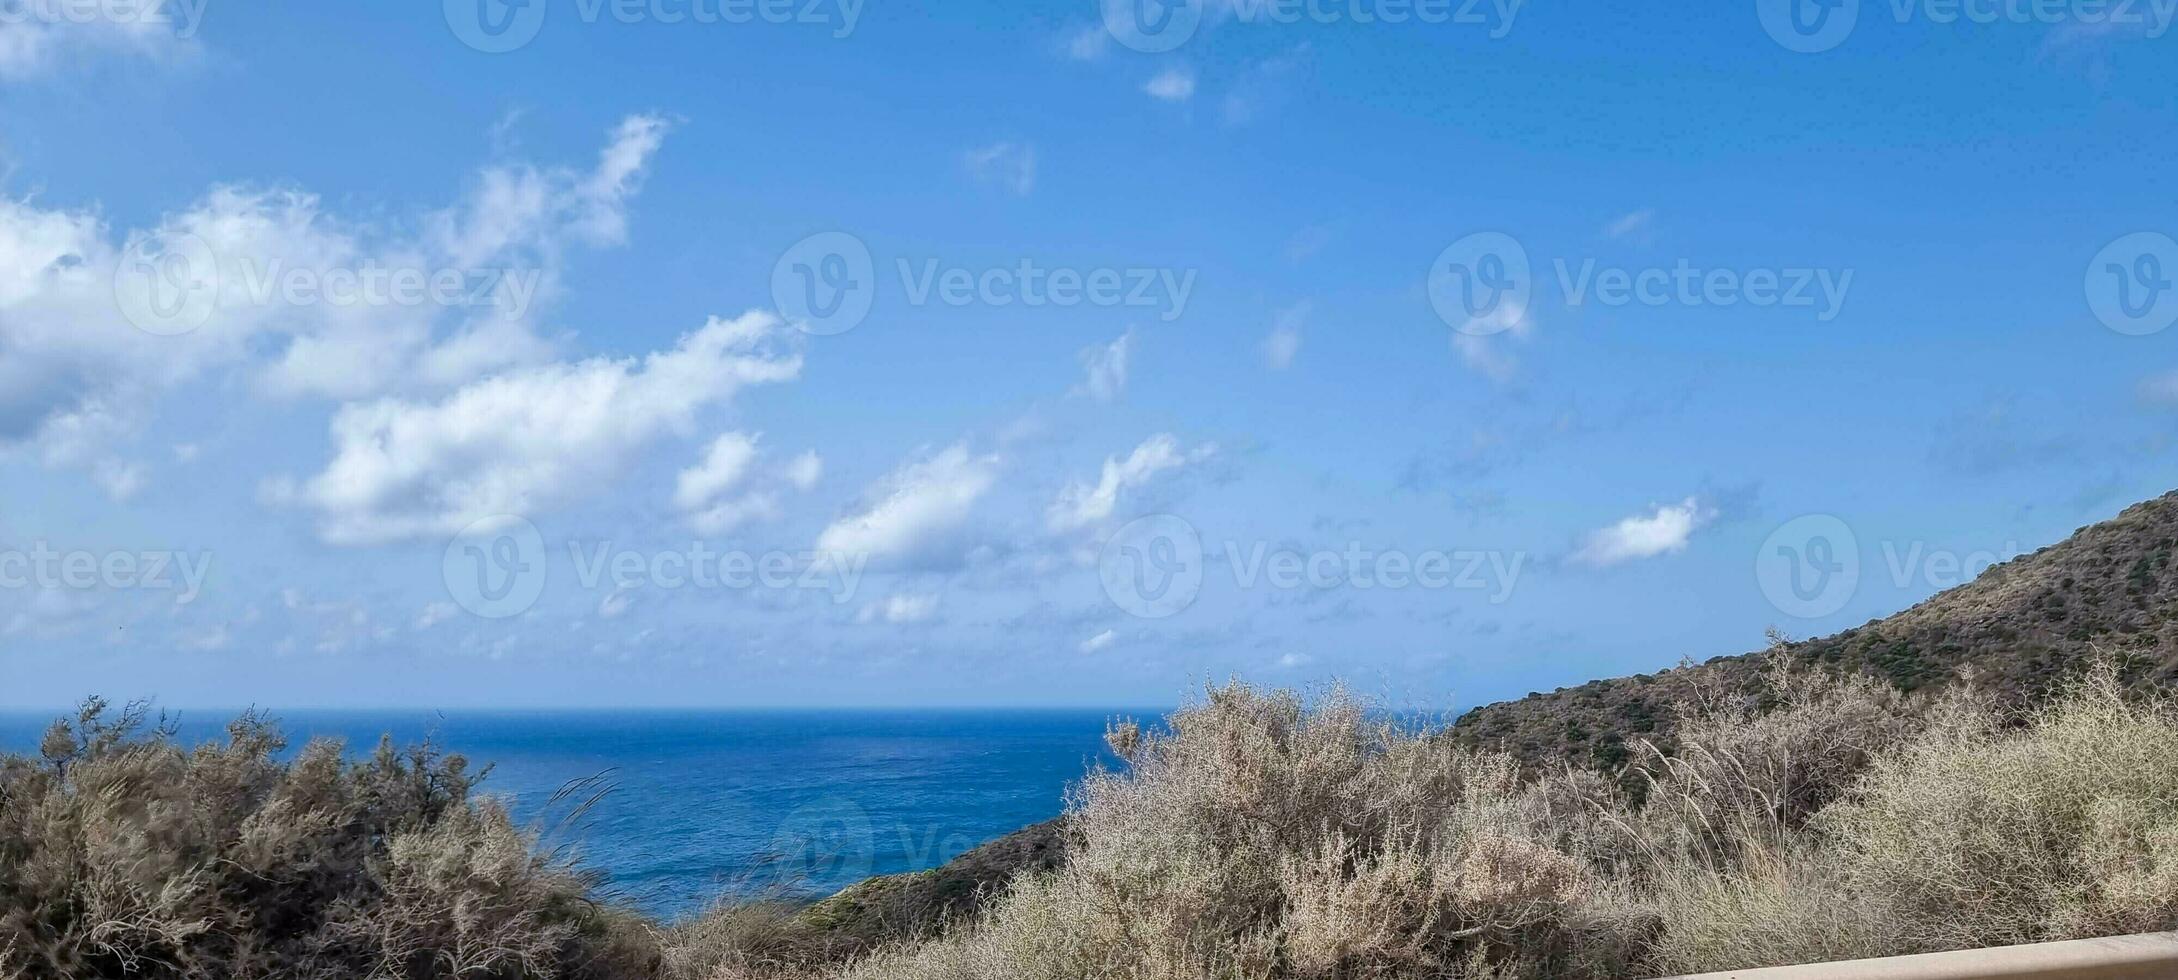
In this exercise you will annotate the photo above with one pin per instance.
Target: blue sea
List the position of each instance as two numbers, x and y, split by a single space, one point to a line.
708 803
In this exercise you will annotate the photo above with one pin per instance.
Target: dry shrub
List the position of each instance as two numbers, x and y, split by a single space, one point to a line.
1259 837
1747 771
123 853
1976 832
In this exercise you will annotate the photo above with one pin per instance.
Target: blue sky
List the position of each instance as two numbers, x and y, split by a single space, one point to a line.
1806 336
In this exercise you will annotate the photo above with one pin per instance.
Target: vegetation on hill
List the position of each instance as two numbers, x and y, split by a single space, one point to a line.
1257 836
2022 626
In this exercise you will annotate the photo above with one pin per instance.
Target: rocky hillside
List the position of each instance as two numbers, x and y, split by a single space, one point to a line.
2020 626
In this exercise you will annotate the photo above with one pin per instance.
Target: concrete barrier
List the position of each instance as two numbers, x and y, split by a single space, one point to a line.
2151 957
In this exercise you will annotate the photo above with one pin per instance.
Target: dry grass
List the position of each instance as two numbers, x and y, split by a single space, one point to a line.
1254 836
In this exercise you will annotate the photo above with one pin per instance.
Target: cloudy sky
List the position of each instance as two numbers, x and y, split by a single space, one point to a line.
672 352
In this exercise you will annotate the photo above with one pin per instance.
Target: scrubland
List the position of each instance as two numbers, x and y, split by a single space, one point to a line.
1255 835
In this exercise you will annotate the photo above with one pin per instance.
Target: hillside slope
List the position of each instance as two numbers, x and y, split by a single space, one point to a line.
2020 625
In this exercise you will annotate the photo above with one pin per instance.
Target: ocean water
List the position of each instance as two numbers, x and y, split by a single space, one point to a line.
707 803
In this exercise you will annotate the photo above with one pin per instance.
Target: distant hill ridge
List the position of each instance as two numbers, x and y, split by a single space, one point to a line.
2021 625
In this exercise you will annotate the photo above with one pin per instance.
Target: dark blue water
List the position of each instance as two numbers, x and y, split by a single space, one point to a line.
705 803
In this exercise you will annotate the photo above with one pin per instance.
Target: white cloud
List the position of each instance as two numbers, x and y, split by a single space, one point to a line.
617 604
729 465
1285 337
725 465
120 480
1106 367
76 375
805 470
1481 345
901 609
1101 641
436 613
1632 224
1172 85
529 439
1664 530
1009 165
1082 504
912 511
